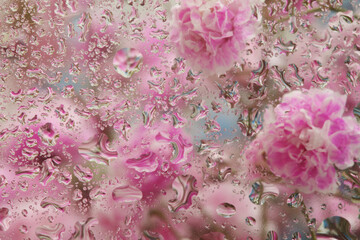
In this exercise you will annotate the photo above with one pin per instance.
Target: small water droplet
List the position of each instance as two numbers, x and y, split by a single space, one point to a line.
296 236
48 135
250 221
226 210
4 219
271 235
23 229
127 61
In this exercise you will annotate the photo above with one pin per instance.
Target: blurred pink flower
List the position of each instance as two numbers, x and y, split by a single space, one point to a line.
211 34
306 137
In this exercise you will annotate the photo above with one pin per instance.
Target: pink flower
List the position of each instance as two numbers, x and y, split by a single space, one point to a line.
306 137
211 34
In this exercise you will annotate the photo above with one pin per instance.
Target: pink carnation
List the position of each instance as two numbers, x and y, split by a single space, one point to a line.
211 34
306 137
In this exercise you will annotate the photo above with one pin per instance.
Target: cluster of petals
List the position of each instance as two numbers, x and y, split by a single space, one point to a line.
306 138
211 33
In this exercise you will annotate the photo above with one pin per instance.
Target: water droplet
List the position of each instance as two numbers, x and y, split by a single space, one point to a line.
23 229
148 115
199 111
155 72
179 66
296 236
96 193
127 194
29 153
285 47
3 181
335 228
84 24
181 148
226 210
262 192
31 142
4 219
56 203
230 93
23 185
77 195
50 232
127 61
68 91
122 127
250 221
48 135
295 200
250 121
24 212
147 162
356 111
312 223
98 150
271 235
28 171
84 174
184 187
83 229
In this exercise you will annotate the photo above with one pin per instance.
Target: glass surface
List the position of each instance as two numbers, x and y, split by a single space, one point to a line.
186 119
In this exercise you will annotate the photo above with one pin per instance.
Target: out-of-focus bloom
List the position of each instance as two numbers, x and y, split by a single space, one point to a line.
305 138
211 34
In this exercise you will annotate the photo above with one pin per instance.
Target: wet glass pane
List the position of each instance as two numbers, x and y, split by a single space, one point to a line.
179 119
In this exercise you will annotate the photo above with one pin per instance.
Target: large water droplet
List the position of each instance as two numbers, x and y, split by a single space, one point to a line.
262 192
97 150
181 148
84 174
83 230
147 162
335 228
127 61
226 210
28 171
50 232
96 193
295 200
56 203
49 170
127 194
184 186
